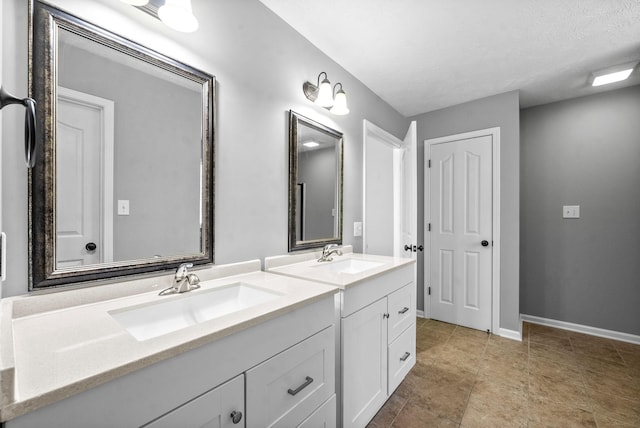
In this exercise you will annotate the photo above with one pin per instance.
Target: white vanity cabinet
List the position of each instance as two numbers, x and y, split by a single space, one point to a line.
378 342
376 309
248 372
222 407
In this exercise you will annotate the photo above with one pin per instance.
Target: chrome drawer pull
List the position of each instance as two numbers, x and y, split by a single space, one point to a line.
403 311
307 382
405 356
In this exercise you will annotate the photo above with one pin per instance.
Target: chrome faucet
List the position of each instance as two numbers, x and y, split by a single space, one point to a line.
183 281
328 251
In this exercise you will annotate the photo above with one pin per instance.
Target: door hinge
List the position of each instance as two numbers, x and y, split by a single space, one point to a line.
428 291
429 163
428 227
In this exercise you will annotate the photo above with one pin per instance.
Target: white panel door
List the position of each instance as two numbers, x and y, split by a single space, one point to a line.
84 186
461 232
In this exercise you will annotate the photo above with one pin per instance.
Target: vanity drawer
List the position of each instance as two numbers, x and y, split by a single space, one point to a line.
324 417
286 389
402 356
402 310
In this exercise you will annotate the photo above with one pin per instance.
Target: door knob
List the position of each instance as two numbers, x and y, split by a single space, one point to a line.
420 248
236 416
90 246
485 243
408 248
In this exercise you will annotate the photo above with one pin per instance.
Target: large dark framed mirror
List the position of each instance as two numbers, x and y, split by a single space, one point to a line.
123 183
315 184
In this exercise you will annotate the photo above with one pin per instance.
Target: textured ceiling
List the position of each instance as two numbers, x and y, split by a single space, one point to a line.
423 55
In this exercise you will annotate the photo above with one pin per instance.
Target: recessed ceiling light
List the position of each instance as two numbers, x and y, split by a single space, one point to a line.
612 74
310 144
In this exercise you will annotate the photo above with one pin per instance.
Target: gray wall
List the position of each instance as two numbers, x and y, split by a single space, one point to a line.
260 63
583 152
153 158
496 111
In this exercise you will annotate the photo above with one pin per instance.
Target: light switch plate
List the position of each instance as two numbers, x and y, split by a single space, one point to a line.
571 211
357 228
123 207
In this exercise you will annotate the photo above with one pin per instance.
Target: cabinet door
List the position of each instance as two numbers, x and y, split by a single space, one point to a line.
364 364
214 409
402 310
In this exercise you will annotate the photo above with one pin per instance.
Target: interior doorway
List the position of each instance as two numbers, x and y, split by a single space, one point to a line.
390 192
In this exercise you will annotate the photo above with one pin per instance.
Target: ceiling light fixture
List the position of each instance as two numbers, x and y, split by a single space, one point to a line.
322 95
614 74
178 15
310 144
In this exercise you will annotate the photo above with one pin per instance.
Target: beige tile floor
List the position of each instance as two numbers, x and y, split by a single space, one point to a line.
553 378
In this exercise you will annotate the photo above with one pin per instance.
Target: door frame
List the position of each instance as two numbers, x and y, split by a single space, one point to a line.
494 133
370 130
106 108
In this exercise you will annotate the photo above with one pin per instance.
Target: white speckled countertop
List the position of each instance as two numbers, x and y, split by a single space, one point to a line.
306 266
51 351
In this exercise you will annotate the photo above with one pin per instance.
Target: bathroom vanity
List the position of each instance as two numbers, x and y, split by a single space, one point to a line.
377 310
101 356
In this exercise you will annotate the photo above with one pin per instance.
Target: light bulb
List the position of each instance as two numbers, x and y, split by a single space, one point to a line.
325 96
340 104
177 14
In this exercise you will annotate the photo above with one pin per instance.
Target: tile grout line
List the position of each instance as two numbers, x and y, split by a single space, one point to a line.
475 379
585 385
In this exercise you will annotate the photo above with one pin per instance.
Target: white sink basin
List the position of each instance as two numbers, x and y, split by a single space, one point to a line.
348 266
156 319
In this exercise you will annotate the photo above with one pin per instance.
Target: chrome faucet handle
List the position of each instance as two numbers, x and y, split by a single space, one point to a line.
194 281
181 272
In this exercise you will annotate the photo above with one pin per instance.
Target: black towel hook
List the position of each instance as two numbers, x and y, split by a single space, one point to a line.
29 123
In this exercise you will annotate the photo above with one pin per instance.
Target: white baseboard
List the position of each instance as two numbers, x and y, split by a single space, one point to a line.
419 313
510 334
593 331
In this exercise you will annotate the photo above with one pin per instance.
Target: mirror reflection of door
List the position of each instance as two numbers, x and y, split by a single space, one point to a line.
317 187
84 181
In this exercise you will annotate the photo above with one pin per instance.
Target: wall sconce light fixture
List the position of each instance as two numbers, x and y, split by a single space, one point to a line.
339 101
135 2
322 95
176 14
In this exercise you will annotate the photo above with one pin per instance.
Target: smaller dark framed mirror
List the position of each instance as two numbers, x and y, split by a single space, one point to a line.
315 184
